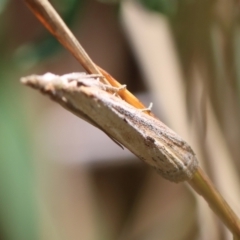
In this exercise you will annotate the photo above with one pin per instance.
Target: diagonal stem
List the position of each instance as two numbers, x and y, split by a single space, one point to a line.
54 23
48 16
203 186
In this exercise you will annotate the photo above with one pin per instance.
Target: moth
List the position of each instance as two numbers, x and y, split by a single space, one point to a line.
144 135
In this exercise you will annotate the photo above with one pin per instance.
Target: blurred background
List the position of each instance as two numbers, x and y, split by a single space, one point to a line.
61 178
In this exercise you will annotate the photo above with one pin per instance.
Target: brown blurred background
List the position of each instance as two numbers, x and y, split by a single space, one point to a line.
61 178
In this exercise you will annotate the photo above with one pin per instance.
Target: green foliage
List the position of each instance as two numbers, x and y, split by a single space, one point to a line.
110 1
168 7
18 209
31 54
3 4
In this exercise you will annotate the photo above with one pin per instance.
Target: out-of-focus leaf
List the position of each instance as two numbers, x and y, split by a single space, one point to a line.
29 55
168 7
236 46
32 53
3 4
110 1
18 210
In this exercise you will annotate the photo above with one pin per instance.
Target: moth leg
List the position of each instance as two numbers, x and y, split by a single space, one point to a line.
114 90
117 89
93 76
106 86
149 108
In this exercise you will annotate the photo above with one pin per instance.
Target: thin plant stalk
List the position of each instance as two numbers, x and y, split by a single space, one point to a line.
200 182
48 16
204 187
